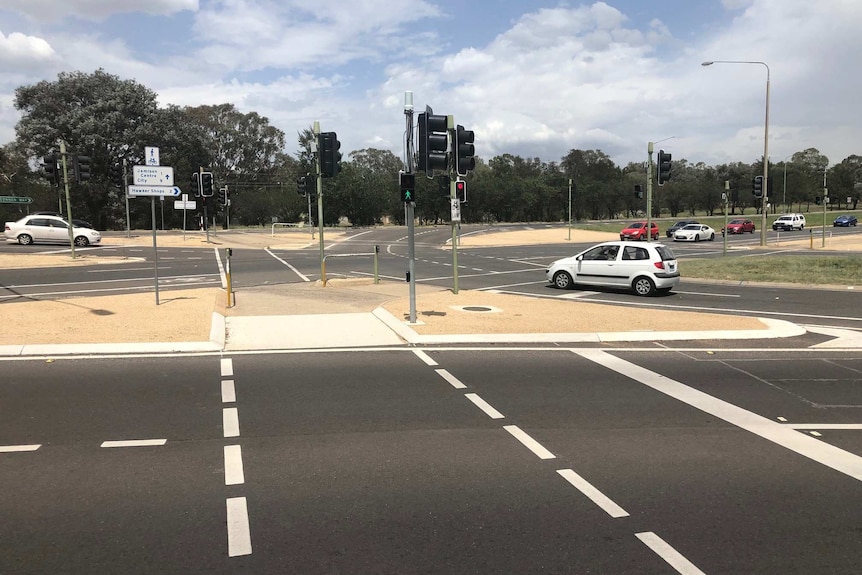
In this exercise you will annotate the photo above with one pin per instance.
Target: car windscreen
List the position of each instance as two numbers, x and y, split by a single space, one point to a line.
692 227
636 226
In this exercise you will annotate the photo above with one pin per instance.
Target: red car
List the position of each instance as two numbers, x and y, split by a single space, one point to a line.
637 231
738 226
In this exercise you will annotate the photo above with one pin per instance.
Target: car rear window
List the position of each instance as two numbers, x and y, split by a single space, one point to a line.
665 253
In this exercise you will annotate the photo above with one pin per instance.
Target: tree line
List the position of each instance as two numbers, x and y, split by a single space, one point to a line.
111 120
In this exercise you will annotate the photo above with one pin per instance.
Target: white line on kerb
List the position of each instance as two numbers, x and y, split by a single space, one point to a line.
424 357
484 406
673 557
781 434
226 367
18 448
529 442
228 391
450 378
134 443
594 494
230 422
233 471
238 533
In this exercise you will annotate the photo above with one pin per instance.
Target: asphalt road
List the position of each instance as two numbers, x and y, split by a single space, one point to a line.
434 461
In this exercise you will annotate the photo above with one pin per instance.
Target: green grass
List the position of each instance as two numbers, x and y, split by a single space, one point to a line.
773 268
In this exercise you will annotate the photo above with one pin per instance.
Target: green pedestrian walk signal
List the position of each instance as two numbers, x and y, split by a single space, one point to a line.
408 187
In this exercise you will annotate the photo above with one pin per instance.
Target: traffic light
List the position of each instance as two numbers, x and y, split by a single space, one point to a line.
196 184
207 184
817 200
663 164
639 193
465 151
461 191
757 186
82 168
433 142
222 195
302 186
330 156
407 183
49 169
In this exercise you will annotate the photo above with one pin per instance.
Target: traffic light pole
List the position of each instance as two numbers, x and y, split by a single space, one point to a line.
68 198
319 186
453 175
409 207
649 192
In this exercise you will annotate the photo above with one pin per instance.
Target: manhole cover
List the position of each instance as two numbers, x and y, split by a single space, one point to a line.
475 308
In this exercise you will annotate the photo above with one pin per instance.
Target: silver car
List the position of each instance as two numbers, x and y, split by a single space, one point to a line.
45 229
644 268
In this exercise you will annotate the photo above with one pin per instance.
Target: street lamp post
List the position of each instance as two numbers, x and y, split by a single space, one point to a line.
765 198
784 194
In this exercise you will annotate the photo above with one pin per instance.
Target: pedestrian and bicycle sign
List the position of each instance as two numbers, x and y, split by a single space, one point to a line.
15 200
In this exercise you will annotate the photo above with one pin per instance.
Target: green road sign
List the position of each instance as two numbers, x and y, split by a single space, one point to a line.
15 200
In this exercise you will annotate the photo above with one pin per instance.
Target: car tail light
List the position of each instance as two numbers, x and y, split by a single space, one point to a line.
659 265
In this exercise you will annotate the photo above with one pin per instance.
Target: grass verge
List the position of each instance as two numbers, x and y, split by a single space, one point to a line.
773 268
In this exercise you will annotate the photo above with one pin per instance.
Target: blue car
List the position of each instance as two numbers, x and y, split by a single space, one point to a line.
844 221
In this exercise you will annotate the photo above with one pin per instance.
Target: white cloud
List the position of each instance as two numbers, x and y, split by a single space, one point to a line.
18 50
95 9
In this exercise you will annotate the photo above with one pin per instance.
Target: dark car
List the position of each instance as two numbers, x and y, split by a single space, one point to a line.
679 225
844 221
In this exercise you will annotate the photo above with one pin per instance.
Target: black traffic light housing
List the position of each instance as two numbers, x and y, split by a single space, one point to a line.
461 191
663 165
433 142
196 184
50 170
330 157
207 184
81 165
465 151
639 193
407 183
222 195
757 186
302 186
817 200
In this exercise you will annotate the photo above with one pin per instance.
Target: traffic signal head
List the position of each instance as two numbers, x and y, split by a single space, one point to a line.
433 142
222 195
82 168
663 164
817 200
207 184
196 184
301 186
49 169
757 186
330 157
407 183
461 191
465 151
639 193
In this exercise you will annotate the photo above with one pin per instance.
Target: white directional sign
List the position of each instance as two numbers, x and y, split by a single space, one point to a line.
168 191
153 175
184 205
151 155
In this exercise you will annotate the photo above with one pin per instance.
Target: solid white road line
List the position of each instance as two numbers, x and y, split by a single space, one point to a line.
824 425
230 422
228 391
18 448
233 472
134 443
450 378
778 433
221 270
484 406
673 557
296 271
529 442
226 367
424 357
238 533
594 494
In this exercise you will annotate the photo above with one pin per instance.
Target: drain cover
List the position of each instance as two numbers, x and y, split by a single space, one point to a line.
475 308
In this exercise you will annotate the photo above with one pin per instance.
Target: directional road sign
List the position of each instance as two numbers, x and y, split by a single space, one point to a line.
153 175
169 191
181 205
15 200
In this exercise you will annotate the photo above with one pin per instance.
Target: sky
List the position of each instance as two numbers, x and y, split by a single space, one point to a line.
533 78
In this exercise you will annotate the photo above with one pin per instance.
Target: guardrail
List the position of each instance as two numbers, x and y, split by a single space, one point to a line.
374 254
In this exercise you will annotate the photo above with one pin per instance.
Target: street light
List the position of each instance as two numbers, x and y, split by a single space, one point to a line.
763 202
784 196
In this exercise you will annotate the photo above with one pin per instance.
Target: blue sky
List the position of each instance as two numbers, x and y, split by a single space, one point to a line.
534 78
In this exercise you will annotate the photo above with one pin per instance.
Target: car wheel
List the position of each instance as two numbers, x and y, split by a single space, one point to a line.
622 239
643 286
562 280
712 237
25 240
82 241
752 230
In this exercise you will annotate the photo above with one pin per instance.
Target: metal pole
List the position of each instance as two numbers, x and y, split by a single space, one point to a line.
409 207
450 125
825 202
570 209
765 164
68 198
726 231
784 194
126 191
319 187
155 248
649 191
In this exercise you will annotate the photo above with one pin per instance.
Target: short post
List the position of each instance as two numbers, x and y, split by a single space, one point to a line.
376 275
228 254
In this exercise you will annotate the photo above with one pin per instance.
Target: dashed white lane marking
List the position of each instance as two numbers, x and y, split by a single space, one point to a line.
226 367
529 442
450 378
673 557
134 443
424 357
228 391
19 448
238 533
484 406
233 470
230 422
594 494
778 433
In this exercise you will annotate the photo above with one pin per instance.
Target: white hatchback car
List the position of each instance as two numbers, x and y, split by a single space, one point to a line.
645 268
44 229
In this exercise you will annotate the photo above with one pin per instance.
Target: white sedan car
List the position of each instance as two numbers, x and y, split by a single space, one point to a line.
45 229
694 233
